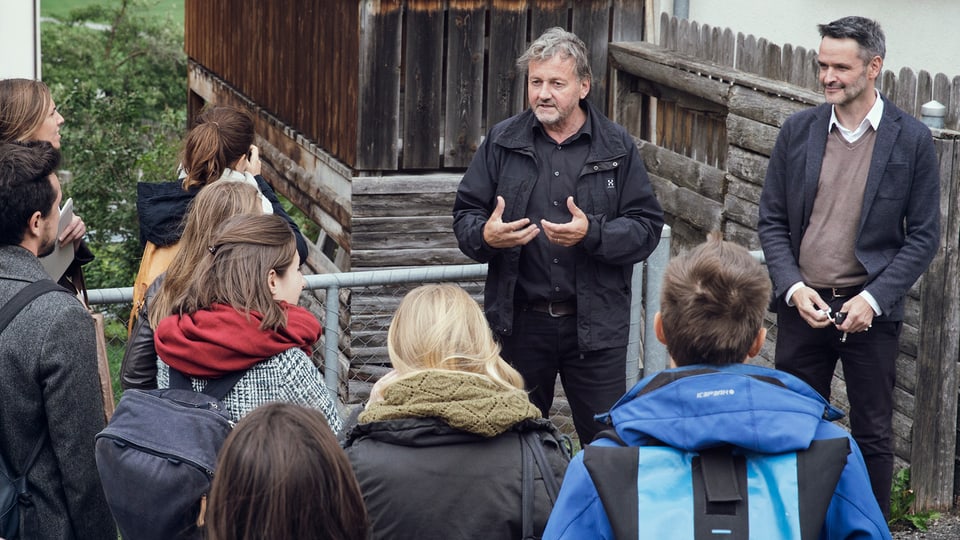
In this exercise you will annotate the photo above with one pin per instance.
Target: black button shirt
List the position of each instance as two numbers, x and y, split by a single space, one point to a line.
548 271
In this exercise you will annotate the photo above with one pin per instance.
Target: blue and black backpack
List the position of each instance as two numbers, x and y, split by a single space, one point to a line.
728 491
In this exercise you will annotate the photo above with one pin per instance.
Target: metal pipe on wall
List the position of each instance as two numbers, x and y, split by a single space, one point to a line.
681 9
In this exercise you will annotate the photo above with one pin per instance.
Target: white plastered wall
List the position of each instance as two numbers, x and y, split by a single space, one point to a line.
20 39
921 34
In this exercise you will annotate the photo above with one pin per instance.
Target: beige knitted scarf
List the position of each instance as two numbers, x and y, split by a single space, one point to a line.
465 401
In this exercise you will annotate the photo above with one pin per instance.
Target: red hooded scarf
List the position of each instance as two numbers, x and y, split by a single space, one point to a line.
212 342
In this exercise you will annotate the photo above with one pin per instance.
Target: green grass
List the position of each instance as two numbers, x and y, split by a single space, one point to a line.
152 8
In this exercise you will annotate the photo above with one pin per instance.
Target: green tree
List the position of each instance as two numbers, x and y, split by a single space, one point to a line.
122 90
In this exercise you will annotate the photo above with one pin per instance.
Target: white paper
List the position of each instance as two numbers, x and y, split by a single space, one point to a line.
57 262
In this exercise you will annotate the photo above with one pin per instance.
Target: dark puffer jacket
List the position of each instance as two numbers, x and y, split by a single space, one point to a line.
162 206
423 479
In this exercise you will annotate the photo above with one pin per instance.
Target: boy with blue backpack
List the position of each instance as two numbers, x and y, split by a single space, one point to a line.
716 448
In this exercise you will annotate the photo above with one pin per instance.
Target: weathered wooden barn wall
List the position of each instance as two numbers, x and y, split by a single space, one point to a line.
405 218
367 112
349 94
375 89
702 190
393 85
298 59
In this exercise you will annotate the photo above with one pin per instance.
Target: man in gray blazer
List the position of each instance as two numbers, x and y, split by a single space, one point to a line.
49 385
849 219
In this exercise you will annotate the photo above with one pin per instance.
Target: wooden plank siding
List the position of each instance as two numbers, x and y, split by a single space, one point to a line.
393 86
423 82
505 85
405 221
298 59
935 421
464 111
700 194
378 116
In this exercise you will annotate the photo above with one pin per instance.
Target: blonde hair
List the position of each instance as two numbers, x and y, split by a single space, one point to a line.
212 206
24 104
442 327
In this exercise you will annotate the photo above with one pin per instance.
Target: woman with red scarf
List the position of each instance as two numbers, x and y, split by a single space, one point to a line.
240 312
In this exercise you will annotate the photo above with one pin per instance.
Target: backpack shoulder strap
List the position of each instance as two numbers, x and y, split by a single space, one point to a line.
8 312
532 440
15 305
614 472
612 435
526 490
215 388
531 451
820 467
21 480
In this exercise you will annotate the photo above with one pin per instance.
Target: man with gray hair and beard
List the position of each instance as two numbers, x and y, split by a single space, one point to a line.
558 202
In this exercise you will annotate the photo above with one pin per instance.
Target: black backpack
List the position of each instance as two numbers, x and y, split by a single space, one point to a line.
13 489
157 455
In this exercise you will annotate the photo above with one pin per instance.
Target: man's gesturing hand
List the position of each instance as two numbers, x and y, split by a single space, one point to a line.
567 234
500 234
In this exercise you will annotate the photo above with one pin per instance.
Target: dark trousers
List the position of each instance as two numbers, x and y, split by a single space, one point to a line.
543 346
869 370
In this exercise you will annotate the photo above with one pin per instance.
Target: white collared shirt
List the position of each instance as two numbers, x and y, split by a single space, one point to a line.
871 120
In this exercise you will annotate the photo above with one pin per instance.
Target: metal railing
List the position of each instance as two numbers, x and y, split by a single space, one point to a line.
644 356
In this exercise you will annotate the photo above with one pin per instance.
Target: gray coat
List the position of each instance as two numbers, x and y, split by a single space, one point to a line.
50 388
899 222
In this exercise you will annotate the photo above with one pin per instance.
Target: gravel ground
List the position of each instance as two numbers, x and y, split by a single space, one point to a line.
945 528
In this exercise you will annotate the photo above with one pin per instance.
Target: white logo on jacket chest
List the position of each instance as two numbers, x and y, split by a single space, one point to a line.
610 184
716 393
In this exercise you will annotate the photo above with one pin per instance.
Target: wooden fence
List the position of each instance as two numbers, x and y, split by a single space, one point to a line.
798 66
713 180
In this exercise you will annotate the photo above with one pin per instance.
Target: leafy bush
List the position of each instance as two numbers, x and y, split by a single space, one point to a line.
122 90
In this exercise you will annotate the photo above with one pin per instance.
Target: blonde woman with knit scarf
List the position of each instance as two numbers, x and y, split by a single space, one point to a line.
438 449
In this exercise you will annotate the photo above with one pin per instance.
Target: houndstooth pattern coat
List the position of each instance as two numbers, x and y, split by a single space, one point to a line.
289 377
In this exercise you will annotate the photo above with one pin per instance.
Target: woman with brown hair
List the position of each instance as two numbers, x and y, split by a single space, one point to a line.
211 207
219 148
453 420
28 113
239 312
281 474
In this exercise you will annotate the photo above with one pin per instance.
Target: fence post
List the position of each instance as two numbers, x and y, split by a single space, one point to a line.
634 361
654 353
331 349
